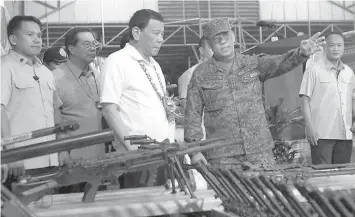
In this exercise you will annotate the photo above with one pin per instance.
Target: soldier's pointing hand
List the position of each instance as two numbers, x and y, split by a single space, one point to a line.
313 44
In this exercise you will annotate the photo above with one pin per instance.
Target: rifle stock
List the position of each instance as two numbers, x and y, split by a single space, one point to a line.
113 164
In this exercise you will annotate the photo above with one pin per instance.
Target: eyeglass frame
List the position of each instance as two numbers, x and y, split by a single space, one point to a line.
88 45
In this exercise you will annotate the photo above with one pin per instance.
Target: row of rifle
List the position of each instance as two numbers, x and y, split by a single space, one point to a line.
250 194
150 155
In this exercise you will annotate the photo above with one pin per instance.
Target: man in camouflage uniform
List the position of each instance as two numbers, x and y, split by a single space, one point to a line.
227 88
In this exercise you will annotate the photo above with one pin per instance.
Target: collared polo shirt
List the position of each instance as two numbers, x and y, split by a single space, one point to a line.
330 99
78 90
124 83
30 104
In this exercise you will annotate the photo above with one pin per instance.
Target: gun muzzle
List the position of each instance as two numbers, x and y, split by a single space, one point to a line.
50 147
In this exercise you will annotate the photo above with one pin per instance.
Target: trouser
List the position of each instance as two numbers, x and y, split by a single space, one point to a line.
237 162
328 151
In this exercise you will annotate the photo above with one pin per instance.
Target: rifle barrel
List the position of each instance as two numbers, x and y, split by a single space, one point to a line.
54 146
208 144
70 125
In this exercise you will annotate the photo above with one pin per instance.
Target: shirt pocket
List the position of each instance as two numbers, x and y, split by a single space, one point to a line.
23 84
25 89
251 82
249 76
346 85
326 79
214 96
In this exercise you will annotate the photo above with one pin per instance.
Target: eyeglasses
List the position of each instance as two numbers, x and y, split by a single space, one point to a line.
95 44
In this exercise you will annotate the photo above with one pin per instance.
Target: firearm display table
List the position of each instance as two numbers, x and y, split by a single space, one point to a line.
328 182
128 202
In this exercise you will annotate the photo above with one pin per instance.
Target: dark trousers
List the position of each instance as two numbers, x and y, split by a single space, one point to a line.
330 151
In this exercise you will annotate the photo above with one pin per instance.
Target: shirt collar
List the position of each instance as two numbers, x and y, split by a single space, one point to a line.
134 53
78 72
216 67
330 66
23 60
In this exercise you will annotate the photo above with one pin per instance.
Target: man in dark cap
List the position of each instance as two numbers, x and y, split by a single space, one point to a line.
54 57
227 88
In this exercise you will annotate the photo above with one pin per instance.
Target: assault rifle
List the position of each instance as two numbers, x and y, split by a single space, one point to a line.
151 154
290 173
252 194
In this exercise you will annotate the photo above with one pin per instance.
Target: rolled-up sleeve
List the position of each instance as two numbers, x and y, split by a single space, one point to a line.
308 83
6 85
111 82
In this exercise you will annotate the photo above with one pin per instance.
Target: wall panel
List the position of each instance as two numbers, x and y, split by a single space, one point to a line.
297 10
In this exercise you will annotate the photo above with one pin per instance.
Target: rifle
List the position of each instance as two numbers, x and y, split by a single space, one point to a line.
59 128
291 173
261 195
94 170
54 146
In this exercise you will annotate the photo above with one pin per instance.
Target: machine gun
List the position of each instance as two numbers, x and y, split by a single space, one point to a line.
251 194
150 154
290 173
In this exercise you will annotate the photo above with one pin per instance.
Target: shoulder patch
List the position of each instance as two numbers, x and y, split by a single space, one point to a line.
62 52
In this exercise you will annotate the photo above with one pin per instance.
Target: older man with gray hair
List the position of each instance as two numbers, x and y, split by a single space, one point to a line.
227 88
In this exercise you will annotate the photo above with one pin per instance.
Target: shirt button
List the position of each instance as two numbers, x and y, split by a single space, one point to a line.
21 60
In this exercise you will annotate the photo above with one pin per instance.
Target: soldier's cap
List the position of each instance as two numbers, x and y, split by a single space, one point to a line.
215 27
56 54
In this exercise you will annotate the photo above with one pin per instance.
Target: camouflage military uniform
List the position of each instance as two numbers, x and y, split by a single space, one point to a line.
233 105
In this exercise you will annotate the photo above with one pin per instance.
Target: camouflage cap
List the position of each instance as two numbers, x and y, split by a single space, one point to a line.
215 27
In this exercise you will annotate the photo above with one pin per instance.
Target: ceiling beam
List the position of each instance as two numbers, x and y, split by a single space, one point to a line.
55 10
341 6
351 6
45 5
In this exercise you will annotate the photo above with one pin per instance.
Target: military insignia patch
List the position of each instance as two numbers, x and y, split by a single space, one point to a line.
252 75
62 52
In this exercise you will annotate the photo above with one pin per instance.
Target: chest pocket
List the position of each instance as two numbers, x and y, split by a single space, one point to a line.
327 79
25 88
22 84
251 81
214 96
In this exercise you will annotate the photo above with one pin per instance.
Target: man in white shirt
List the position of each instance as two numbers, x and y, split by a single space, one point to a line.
28 96
327 93
205 54
133 90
